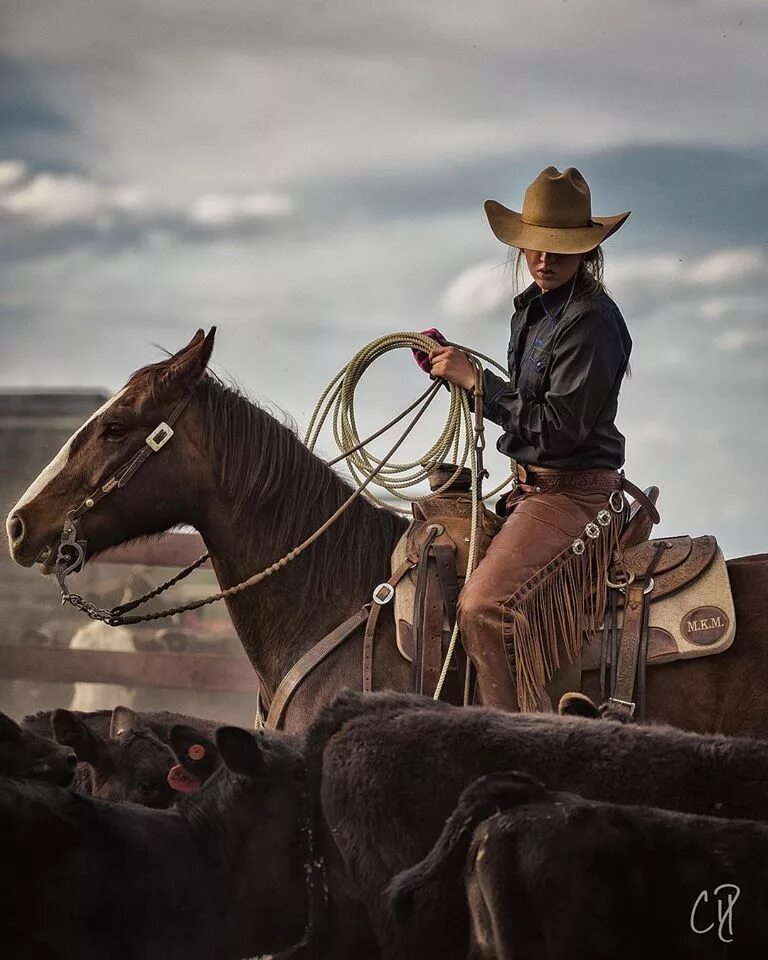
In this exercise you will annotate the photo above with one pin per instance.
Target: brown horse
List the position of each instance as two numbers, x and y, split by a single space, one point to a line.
253 491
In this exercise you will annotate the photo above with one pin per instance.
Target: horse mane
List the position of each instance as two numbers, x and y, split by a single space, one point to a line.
262 464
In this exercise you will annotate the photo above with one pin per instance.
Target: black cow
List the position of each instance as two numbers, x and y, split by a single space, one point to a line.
26 754
390 768
531 874
223 874
129 766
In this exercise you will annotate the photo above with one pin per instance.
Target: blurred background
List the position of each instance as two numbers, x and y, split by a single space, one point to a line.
310 176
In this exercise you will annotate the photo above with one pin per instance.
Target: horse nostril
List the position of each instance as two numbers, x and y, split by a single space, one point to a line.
71 760
15 527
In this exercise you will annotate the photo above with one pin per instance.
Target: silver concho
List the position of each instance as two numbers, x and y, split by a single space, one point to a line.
592 531
604 518
578 547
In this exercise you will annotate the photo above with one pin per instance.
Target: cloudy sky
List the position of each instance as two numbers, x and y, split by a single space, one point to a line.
308 176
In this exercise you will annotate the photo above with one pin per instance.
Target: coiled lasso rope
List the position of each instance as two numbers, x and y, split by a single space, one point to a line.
455 443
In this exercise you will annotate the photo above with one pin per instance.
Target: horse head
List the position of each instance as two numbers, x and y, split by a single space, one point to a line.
113 481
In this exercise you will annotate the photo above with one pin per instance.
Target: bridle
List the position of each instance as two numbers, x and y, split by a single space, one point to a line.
70 555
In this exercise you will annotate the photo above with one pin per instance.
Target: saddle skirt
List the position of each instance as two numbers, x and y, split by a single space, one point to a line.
691 611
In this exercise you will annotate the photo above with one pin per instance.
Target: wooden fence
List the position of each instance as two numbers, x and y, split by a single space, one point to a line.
183 670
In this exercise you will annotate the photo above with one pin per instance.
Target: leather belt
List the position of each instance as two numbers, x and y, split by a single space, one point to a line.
532 479
550 480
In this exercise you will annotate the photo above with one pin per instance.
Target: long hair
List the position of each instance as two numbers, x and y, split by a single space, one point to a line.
589 276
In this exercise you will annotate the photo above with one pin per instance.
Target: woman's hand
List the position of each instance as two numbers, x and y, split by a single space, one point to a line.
453 365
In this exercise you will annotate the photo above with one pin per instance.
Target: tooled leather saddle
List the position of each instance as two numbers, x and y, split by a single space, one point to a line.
669 598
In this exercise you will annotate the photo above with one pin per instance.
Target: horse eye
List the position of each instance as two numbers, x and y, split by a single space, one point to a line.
115 430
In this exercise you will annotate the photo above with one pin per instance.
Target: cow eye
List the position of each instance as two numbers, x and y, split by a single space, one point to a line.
114 430
147 786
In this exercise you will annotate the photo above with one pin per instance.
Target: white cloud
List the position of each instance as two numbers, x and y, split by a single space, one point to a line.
222 210
49 200
728 266
479 291
46 201
739 338
11 173
716 267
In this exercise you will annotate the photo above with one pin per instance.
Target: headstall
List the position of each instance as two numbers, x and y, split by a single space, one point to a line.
72 546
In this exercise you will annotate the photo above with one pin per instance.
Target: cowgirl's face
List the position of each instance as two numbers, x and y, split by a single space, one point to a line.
552 270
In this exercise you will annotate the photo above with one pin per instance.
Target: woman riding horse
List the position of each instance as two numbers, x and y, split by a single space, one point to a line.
540 588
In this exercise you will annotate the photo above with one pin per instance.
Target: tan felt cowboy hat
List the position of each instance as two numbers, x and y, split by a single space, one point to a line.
556 217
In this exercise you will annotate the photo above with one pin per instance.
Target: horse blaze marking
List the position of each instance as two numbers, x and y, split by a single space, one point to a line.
704 625
60 460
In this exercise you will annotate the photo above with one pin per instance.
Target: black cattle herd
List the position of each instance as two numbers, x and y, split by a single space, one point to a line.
395 827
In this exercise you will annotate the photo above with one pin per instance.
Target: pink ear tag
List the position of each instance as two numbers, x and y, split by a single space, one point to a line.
179 779
196 751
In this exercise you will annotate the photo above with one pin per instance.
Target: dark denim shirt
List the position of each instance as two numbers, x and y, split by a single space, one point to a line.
558 409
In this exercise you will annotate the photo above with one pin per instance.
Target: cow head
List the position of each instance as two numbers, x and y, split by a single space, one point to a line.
26 754
130 767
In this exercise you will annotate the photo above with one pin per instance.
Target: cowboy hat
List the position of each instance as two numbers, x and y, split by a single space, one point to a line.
556 216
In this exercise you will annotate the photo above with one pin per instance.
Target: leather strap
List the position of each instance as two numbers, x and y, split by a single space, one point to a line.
313 657
630 645
431 631
373 619
641 498
445 558
634 627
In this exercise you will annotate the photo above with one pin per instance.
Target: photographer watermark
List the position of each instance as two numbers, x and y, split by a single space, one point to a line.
719 910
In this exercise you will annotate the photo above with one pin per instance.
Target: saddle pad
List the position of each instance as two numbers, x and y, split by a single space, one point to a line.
698 620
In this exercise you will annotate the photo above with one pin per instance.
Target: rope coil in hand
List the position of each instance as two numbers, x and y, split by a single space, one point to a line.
458 434
453 444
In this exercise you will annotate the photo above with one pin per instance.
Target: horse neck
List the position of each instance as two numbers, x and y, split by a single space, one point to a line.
259 511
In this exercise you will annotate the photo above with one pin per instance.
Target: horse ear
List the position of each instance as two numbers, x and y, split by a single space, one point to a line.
189 364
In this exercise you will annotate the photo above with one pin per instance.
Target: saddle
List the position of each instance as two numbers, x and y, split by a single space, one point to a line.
672 600
436 545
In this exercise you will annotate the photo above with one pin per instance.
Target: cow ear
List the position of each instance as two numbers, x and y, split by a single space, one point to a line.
71 731
10 731
194 751
124 721
187 366
240 751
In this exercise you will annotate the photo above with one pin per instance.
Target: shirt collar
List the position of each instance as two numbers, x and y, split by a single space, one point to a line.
553 299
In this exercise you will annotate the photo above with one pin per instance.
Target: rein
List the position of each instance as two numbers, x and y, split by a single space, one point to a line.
338 398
